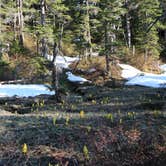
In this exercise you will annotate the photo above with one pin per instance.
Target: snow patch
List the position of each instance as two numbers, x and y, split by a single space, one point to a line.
73 78
9 90
137 77
62 61
163 68
148 81
129 72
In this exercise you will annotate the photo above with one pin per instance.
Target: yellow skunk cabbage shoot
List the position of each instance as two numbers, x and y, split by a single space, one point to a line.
24 148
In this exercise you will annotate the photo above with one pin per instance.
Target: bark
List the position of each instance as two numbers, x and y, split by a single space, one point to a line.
19 4
106 48
42 19
42 12
56 70
14 26
37 46
145 55
133 50
128 26
44 47
89 32
128 30
88 38
61 35
55 73
113 38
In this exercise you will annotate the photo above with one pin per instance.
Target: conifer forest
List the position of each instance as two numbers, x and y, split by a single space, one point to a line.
82 82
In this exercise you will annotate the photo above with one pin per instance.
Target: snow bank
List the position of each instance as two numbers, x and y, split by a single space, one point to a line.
136 77
9 90
62 61
129 72
73 78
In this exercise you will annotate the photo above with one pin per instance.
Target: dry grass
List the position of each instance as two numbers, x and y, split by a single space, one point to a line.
98 66
149 64
30 43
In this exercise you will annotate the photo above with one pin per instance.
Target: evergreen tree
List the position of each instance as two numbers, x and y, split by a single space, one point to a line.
111 21
162 31
60 19
144 15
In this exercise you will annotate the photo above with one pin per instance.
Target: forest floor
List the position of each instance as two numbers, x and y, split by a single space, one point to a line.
98 126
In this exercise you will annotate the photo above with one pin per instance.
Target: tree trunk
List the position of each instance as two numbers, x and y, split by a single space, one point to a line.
133 50
19 4
88 38
128 28
106 48
42 12
15 26
55 73
42 19
37 46
61 35
145 55
113 38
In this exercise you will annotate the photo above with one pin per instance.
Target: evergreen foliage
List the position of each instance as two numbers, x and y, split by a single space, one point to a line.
87 26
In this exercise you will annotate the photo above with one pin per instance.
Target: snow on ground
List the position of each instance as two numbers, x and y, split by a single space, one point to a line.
9 90
63 61
129 72
136 77
163 68
148 81
73 78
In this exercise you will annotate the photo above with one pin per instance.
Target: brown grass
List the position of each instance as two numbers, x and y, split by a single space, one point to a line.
30 43
99 76
149 64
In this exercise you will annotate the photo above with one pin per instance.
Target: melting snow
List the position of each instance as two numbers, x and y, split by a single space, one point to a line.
129 72
73 78
136 77
63 61
9 90
163 68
